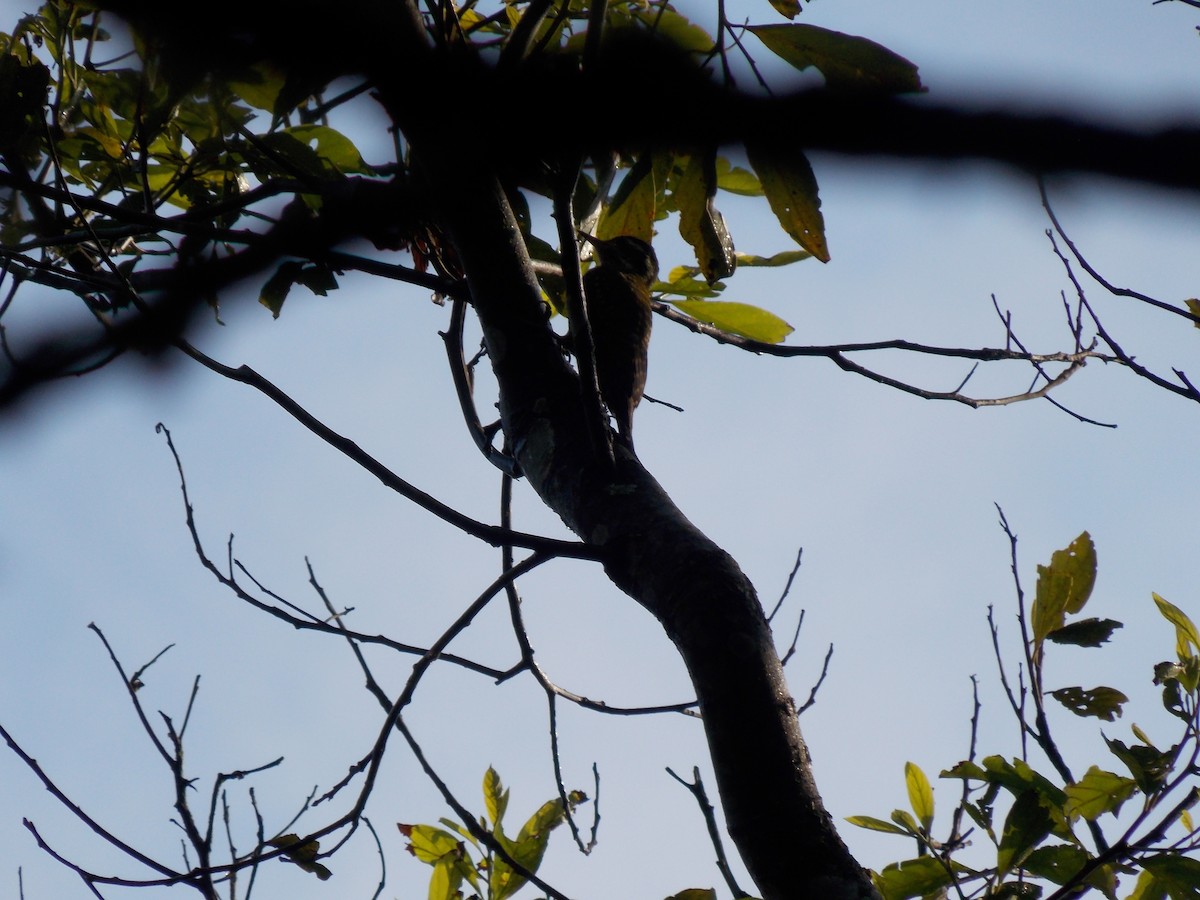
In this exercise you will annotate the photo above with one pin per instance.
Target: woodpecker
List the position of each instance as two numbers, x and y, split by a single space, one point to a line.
617 293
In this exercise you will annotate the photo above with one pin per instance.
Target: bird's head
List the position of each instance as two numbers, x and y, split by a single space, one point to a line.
627 254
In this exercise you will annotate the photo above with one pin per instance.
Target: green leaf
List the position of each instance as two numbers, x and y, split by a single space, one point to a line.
1027 825
633 207
1058 862
1178 874
847 62
920 793
737 180
1148 765
678 29
873 824
279 285
1098 792
1100 702
684 283
317 278
1018 777
966 769
785 258
695 894
332 147
495 796
259 86
701 223
904 819
429 844
911 878
1187 638
445 880
529 847
791 190
282 153
1063 586
1085 632
1147 888
737 318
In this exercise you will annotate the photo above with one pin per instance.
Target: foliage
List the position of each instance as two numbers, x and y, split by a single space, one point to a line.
492 877
155 167
214 148
1053 832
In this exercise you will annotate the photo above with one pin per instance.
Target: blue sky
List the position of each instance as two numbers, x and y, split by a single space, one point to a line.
891 498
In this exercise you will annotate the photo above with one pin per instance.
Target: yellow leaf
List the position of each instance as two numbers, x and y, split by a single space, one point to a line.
1193 306
701 223
920 793
791 190
737 318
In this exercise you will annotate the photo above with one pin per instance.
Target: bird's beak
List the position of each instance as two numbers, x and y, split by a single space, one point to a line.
594 241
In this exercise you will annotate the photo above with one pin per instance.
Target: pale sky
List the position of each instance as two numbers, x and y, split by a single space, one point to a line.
890 496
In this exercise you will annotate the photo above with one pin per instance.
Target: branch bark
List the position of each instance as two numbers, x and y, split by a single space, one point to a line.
705 603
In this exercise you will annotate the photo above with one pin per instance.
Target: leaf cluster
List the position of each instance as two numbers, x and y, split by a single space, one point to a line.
156 154
457 856
1056 832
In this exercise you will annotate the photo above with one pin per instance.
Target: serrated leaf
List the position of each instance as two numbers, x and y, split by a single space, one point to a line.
737 318
920 793
1063 586
1100 702
791 191
1098 792
848 62
1085 632
1187 638
873 824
